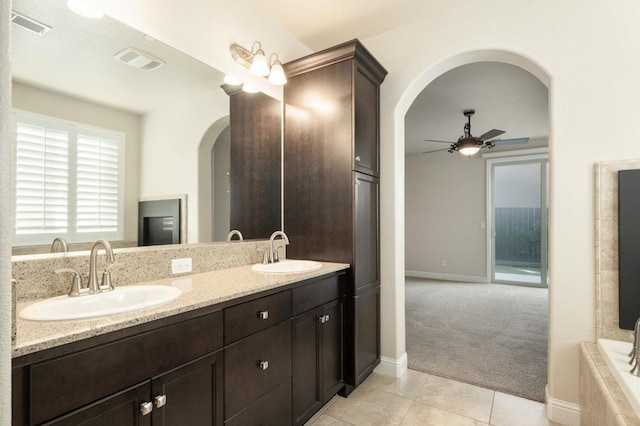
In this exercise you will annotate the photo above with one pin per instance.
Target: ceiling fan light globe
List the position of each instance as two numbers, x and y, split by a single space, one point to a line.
469 150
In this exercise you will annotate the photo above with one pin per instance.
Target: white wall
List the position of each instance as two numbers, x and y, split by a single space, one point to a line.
445 204
169 150
221 161
40 101
581 51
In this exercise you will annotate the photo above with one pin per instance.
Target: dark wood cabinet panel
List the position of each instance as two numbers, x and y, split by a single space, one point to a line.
363 330
61 385
247 318
366 265
122 409
193 392
366 119
306 363
273 409
315 294
317 341
255 169
245 377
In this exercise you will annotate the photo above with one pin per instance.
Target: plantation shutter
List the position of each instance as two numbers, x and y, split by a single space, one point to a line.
42 180
68 181
97 183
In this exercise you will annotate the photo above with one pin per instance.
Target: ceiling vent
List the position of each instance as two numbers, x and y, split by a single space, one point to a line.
138 59
29 23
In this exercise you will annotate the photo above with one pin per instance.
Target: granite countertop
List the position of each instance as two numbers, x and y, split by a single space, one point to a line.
198 291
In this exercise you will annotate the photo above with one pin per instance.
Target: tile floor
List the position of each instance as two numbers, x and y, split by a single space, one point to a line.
421 399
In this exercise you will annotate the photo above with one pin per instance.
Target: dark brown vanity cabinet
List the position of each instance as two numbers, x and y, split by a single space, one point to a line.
258 361
167 375
331 183
317 344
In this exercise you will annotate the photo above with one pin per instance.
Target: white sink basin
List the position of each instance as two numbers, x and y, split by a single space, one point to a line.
122 299
287 266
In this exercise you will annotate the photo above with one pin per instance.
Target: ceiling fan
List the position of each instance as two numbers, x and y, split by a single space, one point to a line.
469 144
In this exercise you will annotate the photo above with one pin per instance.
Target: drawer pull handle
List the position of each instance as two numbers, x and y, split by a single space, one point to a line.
263 315
160 400
146 408
263 365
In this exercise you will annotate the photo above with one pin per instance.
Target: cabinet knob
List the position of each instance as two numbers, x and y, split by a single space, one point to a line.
326 318
263 315
357 158
146 408
321 319
263 365
160 400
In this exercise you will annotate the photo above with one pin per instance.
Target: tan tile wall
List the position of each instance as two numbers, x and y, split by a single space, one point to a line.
606 196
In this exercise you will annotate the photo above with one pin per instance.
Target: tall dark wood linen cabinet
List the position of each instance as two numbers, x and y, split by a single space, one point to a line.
331 184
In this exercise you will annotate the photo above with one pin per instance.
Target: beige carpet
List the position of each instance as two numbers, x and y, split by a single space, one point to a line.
490 335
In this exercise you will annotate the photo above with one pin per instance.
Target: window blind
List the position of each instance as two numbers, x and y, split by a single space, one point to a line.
68 181
42 180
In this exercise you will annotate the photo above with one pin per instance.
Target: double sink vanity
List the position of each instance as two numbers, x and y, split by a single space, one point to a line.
236 346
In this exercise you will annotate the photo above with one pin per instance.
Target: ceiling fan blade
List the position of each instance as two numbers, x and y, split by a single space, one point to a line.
435 140
437 150
515 141
491 134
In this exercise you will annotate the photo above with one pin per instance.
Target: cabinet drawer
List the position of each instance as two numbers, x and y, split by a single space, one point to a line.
273 409
247 318
245 380
66 383
317 293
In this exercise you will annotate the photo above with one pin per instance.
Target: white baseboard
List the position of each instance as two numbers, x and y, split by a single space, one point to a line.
446 277
392 367
563 412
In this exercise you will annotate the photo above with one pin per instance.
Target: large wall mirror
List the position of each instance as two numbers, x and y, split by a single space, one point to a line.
70 73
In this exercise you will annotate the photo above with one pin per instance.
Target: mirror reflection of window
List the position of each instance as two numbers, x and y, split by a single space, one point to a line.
67 181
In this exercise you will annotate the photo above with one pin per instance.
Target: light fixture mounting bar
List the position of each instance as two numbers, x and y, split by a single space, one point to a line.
241 55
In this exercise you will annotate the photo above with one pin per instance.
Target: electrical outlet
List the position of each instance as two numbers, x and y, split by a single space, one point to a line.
443 262
180 266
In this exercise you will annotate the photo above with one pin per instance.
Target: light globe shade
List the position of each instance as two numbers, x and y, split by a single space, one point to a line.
277 76
249 88
469 150
82 8
259 64
231 80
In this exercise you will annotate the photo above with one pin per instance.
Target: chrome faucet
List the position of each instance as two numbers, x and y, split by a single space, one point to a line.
94 285
59 242
273 254
234 232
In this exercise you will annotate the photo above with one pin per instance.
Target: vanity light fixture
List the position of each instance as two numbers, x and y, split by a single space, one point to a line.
249 88
83 8
256 61
231 80
276 77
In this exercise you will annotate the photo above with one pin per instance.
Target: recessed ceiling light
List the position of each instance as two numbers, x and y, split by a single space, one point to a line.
83 8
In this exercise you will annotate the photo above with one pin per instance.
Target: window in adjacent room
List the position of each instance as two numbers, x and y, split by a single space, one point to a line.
67 181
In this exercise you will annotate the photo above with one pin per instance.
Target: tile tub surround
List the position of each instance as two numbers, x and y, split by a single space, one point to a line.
36 279
606 198
199 290
602 401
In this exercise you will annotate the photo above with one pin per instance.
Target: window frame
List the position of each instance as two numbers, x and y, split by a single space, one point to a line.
74 129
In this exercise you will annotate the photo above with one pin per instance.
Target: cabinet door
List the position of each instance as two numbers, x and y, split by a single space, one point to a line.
305 341
332 341
366 265
366 150
367 333
122 409
190 394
